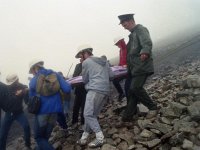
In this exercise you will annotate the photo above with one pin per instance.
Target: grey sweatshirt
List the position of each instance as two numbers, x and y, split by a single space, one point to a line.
96 74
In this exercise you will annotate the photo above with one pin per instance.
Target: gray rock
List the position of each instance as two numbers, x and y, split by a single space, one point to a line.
187 144
177 139
175 148
122 146
108 147
146 133
194 111
150 144
164 128
192 81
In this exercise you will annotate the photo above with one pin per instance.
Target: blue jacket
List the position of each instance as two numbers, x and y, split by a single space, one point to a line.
49 104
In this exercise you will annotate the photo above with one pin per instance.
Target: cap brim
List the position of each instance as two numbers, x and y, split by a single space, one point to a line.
40 64
77 55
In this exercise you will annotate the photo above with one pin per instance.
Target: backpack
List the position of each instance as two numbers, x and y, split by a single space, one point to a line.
47 85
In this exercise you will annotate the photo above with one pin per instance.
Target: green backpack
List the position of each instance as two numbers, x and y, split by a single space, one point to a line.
47 85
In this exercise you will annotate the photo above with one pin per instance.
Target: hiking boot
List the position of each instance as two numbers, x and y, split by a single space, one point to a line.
121 96
151 114
73 126
96 143
66 133
27 148
124 123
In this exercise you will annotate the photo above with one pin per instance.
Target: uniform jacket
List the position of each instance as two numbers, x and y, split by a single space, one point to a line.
96 74
139 42
49 104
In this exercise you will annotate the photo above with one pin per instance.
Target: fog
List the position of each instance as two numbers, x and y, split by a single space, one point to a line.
53 29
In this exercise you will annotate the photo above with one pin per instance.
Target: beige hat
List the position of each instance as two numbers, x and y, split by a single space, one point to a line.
35 62
11 78
117 39
82 48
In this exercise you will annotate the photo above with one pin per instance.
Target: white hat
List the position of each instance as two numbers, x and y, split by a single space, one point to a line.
11 78
82 48
117 39
34 62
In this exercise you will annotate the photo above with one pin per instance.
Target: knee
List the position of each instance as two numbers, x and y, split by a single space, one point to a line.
136 90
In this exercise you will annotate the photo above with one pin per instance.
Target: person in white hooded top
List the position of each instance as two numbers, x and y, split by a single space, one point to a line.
96 75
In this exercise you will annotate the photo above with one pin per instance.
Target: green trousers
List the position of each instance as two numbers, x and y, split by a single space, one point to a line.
137 94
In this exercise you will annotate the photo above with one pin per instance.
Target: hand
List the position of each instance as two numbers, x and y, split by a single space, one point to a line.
144 56
18 92
125 66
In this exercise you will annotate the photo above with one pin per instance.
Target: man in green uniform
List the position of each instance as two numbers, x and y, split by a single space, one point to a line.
140 67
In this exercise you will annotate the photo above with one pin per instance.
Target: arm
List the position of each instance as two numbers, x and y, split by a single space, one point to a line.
77 70
145 42
85 72
65 86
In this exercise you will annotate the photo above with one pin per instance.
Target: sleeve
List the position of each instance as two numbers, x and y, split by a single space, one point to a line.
25 93
65 86
85 72
145 40
111 73
77 70
32 87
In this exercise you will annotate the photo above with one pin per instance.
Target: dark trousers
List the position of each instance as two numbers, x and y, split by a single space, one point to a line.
61 119
116 83
79 103
6 124
137 94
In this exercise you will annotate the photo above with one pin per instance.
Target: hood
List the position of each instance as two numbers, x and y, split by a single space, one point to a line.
99 60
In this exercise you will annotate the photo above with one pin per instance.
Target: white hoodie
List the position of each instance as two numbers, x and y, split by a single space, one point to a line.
96 74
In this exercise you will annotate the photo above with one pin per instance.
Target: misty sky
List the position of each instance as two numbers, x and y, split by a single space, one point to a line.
53 29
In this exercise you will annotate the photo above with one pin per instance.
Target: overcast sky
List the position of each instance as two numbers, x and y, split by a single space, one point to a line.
53 29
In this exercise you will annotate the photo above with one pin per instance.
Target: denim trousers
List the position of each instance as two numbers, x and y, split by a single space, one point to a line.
44 124
6 124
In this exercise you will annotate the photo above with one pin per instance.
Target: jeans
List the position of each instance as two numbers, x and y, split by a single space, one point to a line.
44 124
66 107
6 124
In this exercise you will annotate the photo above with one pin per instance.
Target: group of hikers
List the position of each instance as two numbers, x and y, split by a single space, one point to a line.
90 97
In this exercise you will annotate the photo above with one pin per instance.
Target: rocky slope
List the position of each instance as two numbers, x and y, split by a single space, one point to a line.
176 89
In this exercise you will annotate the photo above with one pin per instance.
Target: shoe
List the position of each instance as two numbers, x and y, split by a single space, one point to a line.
121 96
151 114
124 123
27 148
66 133
96 143
82 142
73 126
